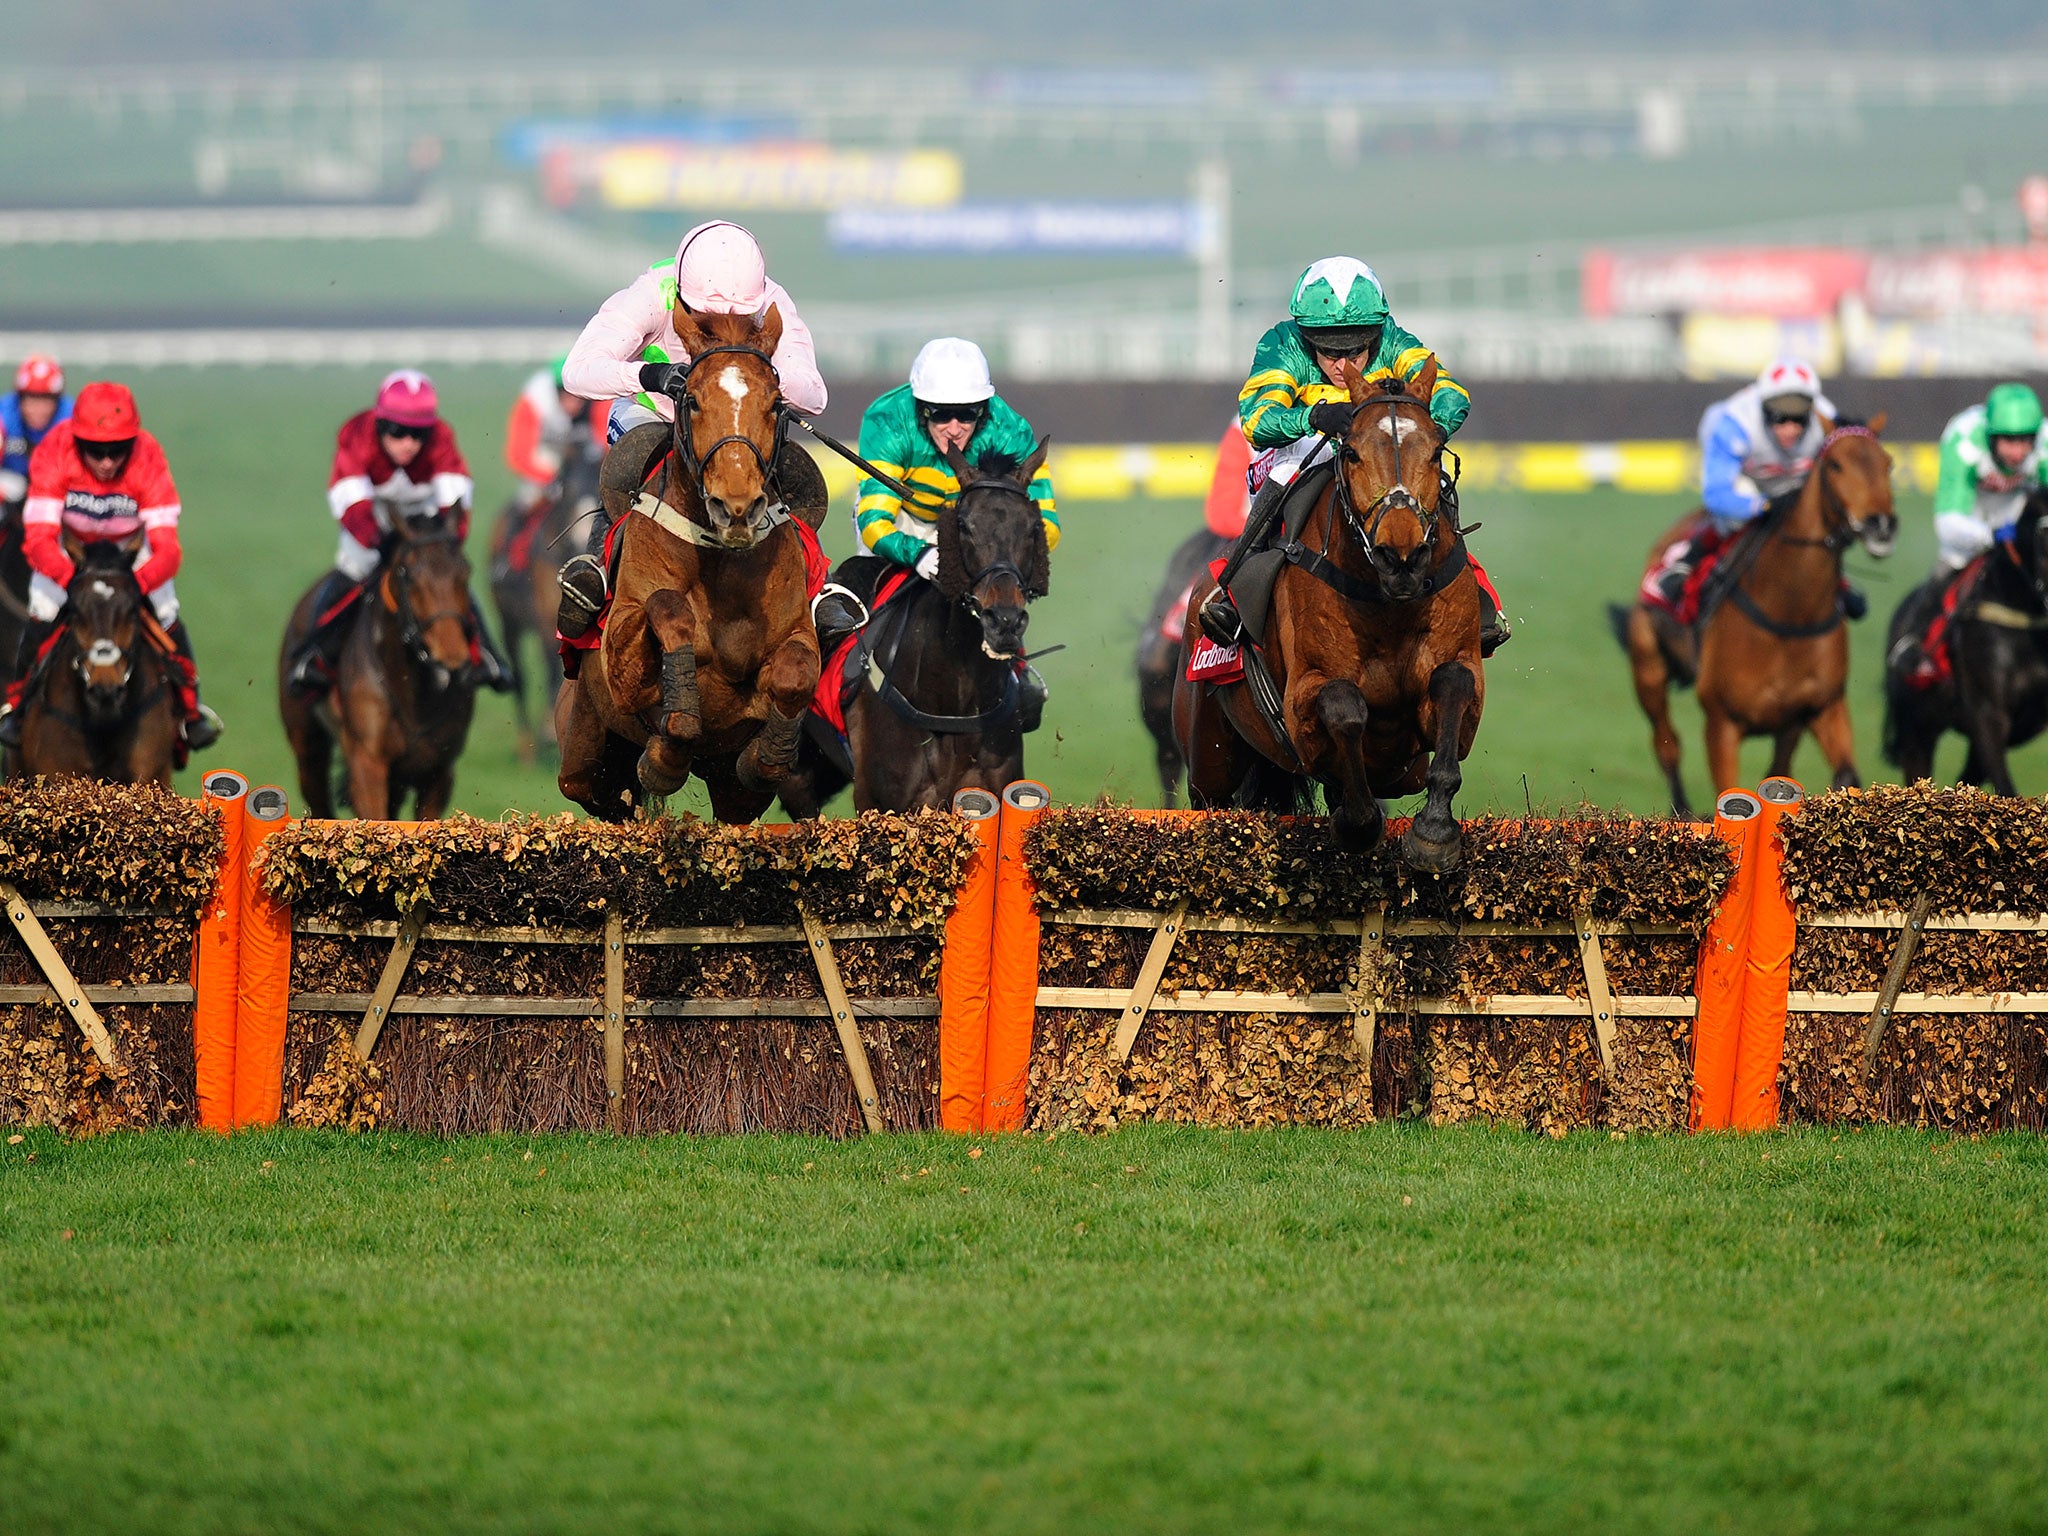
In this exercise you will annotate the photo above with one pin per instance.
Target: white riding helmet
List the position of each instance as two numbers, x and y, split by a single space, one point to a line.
950 371
1788 377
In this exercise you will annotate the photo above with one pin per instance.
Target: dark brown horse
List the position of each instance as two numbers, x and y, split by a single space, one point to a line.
102 707
709 659
1372 644
1159 652
405 686
940 708
1772 652
527 548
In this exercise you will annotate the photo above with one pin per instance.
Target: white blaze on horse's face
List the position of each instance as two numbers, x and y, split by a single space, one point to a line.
733 383
1398 427
102 589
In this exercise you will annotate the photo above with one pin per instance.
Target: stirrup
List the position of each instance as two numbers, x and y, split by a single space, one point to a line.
203 729
1495 635
834 589
10 725
1219 619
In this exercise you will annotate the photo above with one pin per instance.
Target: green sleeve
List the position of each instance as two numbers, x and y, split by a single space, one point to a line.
1269 406
882 444
1955 488
1449 401
1010 434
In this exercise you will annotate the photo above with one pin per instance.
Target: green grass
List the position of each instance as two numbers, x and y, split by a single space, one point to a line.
251 451
1159 1330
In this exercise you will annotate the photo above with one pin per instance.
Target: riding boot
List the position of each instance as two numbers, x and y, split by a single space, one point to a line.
1031 696
1218 614
1855 605
1493 625
586 584
202 727
485 655
35 634
313 663
839 613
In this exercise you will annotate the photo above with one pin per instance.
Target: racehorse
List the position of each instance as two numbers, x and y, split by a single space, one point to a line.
103 707
1159 652
1772 646
14 582
938 710
405 686
1996 690
526 571
708 659
1372 646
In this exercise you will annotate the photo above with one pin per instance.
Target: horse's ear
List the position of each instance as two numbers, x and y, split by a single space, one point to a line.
957 462
1876 423
689 330
1354 381
770 330
132 545
1423 385
1028 470
74 547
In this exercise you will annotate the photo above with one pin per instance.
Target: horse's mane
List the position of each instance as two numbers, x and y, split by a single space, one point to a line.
730 330
998 466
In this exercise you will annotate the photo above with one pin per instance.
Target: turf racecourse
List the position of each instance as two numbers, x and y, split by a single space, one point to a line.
1159 1330
251 450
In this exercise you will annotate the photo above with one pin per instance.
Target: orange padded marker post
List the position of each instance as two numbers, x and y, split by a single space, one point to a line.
1717 1027
1773 930
266 970
217 959
1013 977
964 972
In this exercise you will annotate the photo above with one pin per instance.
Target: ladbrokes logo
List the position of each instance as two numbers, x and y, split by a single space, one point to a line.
100 506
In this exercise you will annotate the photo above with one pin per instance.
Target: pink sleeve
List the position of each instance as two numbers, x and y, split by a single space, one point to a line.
796 359
605 362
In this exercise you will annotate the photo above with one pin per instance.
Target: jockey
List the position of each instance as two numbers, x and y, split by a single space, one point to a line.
630 353
97 476
1992 455
397 460
949 405
1295 395
540 431
26 416
1755 446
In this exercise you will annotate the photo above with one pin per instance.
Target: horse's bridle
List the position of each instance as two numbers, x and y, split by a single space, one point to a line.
686 406
412 627
1396 498
1853 528
994 567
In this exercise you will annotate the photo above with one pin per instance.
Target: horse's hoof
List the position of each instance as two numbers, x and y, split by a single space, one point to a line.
683 727
1361 836
1432 855
654 779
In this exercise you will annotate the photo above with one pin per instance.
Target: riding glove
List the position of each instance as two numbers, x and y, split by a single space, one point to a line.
928 565
1332 418
662 378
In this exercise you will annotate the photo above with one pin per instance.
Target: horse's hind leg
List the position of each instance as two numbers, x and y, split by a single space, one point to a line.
1837 743
1340 712
1433 843
1652 675
789 679
1787 742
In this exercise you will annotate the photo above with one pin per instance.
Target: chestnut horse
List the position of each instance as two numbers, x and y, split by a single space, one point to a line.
709 658
404 688
103 706
1773 648
1372 644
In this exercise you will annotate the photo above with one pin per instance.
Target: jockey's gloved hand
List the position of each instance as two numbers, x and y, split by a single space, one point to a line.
662 378
928 564
1332 418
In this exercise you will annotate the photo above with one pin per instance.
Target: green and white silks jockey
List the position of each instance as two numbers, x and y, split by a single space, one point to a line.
1992 455
1338 313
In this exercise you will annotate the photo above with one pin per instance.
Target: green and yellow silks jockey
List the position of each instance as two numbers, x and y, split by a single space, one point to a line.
1992 455
949 405
1293 395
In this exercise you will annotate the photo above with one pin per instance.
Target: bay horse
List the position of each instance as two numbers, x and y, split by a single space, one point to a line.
14 583
405 686
709 658
1773 644
103 707
526 575
1159 651
1372 645
939 710
1995 693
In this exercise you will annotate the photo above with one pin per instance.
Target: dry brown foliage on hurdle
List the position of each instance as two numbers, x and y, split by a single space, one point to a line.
1277 1067
452 1073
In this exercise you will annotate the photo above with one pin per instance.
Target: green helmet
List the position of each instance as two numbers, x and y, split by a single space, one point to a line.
1338 291
2012 410
559 364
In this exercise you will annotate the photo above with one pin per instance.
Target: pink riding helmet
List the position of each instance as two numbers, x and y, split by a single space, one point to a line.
407 397
720 270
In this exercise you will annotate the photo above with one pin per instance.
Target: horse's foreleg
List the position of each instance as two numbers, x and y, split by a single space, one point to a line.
1433 843
431 803
1990 728
1781 753
1340 715
789 679
369 784
1724 750
675 634
1652 676
1837 743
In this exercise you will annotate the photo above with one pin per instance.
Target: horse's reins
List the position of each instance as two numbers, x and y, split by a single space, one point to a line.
1396 497
687 529
1834 542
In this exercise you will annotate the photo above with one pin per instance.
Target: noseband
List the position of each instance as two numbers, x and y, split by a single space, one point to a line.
686 408
1364 523
994 567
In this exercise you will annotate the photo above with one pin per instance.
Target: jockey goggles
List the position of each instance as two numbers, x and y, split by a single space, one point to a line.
940 414
1342 340
1787 418
115 450
400 429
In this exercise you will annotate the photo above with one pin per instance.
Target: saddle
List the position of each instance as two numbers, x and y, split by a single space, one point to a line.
1251 590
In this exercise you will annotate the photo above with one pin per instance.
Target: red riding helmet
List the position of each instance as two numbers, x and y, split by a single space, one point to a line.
407 397
39 374
105 413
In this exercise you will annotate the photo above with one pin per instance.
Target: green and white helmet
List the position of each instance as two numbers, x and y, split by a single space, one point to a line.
1338 293
2012 410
